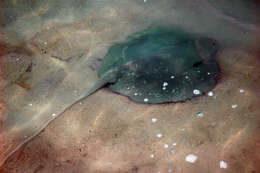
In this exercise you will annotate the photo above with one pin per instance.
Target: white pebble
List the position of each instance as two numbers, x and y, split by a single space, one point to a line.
30 104
165 84
208 73
191 158
154 120
196 92
152 155
45 42
223 164
210 93
186 77
159 135
241 91
53 114
135 94
234 106
165 145
172 77
164 88
174 144
146 100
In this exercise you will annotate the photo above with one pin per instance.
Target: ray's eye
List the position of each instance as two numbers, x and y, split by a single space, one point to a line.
197 64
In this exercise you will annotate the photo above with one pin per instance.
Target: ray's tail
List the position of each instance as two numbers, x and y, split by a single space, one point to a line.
108 78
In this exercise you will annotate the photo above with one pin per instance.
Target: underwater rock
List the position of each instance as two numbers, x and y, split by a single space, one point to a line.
159 65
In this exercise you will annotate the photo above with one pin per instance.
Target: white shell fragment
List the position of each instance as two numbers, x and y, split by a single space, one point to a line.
165 145
200 114
210 93
191 158
223 164
154 120
159 135
234 106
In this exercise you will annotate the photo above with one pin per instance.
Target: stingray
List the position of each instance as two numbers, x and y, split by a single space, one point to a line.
158 65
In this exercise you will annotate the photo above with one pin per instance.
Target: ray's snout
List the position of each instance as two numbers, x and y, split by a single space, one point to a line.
207 48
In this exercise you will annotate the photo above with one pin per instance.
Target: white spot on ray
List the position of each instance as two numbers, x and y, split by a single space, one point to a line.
165 84
223 164
196 92
191 158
